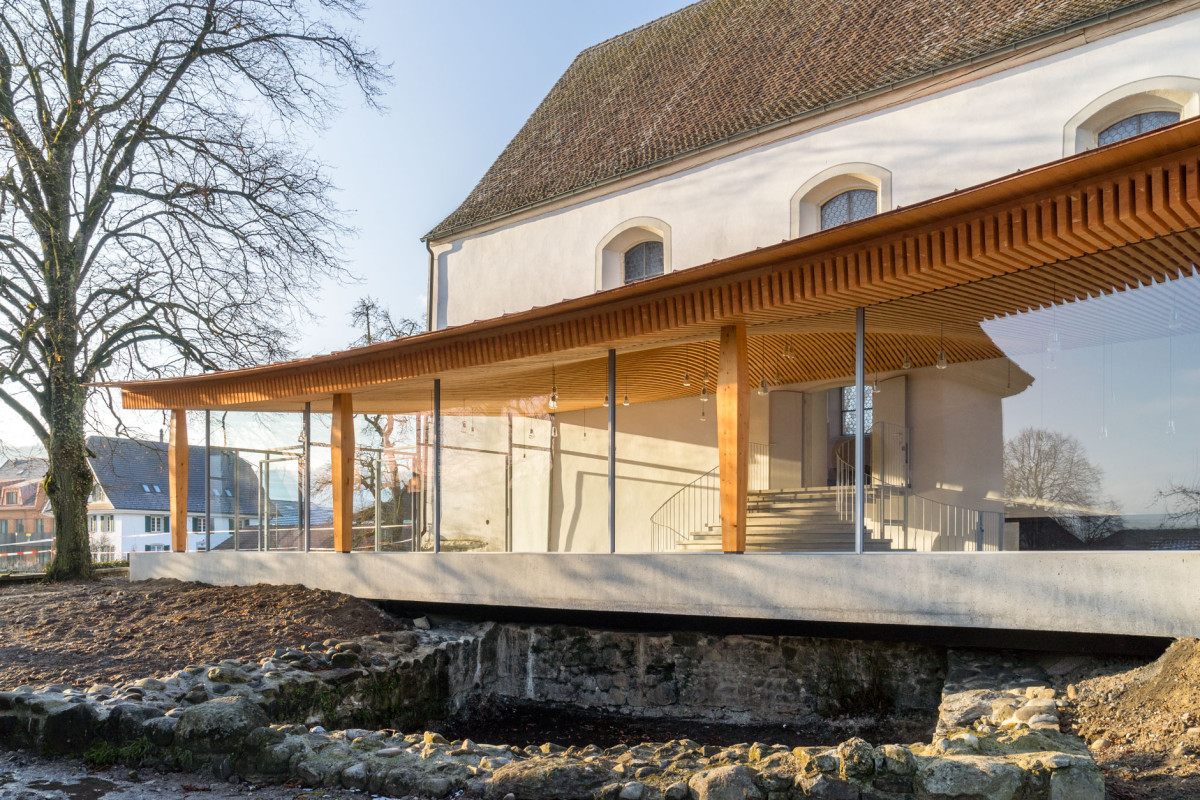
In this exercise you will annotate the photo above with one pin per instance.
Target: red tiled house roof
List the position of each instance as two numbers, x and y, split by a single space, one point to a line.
720 68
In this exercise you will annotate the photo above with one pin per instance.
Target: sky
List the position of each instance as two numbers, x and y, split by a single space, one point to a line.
466 75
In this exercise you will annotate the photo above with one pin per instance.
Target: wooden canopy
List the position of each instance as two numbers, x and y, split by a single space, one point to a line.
1100 222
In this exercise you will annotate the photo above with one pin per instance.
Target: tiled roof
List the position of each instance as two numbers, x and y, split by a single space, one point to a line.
720 68
20 469
126 468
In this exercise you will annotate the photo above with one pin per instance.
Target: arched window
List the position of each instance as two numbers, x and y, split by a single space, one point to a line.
643 261
849 206
1138 123
1128 110
635 250
840 194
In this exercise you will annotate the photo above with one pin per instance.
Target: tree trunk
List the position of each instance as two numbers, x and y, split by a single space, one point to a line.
69 481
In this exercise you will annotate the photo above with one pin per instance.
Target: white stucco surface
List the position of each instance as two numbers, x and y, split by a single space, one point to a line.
1107 593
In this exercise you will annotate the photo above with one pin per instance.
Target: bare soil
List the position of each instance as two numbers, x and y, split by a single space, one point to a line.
112 630
1143 726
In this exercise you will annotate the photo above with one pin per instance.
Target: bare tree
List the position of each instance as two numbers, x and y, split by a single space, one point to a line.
156 212
388 431
1183 503
1051 470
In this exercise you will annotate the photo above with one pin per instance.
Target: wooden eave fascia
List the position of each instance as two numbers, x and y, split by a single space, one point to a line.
816 274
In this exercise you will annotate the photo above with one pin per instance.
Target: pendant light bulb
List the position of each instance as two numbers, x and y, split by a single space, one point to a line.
687 379
942 361
704 394
762 387
789 353
553 398
907 362
1170 427
625 402
1175 323
606 400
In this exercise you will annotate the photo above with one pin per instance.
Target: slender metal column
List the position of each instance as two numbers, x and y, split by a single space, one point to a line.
237 500
306 457
437 465
379 501
207 482
612 451
860 496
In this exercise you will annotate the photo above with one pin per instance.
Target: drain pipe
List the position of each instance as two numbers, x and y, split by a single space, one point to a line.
429 289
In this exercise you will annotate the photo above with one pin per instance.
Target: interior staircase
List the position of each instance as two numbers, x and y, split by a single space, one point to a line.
788 521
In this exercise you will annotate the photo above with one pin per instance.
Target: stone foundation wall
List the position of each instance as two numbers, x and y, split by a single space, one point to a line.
732 678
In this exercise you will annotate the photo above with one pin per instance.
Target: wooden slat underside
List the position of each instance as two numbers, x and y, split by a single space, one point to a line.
1084 227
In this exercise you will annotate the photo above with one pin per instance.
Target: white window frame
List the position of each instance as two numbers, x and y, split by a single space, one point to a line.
610 253
1174 93
825 185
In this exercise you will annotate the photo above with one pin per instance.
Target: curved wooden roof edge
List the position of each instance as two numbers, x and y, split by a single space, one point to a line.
834 259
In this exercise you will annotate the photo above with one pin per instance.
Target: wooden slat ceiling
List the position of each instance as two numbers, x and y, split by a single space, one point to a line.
1106 221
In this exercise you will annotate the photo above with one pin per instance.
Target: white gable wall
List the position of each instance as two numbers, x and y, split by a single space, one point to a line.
998 125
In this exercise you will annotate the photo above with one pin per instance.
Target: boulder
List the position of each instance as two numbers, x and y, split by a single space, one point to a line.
1077 783
218 726
70 728
968 778
549 779
824 787
857 758
725 783
961 709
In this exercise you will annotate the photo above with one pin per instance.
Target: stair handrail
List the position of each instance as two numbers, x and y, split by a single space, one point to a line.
684 512
698 504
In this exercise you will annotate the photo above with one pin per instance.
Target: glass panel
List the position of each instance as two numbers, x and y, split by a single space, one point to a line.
654 258
1138 123
635 263
849 206
1070 425
836 211
863 203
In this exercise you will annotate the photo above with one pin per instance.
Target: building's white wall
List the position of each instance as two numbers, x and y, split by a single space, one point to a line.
964 136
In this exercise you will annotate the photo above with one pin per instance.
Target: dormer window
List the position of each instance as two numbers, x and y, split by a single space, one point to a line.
643 261
849 206
1138 123
10 498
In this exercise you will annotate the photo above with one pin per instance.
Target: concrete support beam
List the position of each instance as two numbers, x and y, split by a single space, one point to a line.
341 441
733 436
177 477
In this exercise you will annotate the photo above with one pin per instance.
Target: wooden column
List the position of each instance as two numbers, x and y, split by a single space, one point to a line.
733 436
177 477
341 441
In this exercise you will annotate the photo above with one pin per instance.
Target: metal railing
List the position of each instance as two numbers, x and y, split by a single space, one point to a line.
696 507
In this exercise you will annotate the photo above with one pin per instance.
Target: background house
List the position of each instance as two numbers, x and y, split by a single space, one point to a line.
130 503
26 524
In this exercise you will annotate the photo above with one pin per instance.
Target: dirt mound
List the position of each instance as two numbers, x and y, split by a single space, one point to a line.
112 630
1143 725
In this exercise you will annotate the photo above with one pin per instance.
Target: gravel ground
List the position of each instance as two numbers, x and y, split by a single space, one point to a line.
112 630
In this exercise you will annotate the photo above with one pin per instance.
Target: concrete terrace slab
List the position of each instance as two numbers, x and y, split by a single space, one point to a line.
1134 594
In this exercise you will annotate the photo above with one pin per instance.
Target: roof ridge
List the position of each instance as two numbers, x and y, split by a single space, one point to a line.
643 26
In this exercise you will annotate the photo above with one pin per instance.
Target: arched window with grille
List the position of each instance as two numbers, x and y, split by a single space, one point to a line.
849 206
643 261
